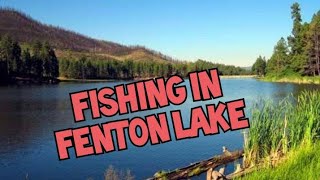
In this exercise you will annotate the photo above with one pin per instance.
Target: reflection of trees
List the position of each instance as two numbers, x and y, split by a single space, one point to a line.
283 90
30 115
301 87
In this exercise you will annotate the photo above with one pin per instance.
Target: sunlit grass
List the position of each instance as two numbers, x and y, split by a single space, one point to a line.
294 79
300 163
285 131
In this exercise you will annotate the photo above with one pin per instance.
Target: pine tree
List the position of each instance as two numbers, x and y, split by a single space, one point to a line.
26 61
16 59
278 63
54 71
37 61
6 53
259 67
313 46
298 41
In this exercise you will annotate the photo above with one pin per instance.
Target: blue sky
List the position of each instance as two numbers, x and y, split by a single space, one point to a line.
226 31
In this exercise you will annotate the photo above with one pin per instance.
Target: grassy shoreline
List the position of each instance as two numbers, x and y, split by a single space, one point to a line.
283 138
300 163
292 79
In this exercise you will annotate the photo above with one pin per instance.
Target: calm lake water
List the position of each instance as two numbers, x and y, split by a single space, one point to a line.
30 114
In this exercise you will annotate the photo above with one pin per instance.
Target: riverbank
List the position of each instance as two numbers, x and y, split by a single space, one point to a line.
283 139
292 79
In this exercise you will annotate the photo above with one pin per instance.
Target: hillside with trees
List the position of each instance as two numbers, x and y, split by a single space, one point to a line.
299 54
11 22
33 51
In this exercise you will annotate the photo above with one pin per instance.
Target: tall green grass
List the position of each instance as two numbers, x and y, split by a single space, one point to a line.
301 163
275 129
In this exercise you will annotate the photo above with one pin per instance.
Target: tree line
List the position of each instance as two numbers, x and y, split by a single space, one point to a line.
36 62
89 68
299 54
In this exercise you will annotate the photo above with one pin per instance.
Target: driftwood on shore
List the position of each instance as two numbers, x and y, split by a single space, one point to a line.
199 167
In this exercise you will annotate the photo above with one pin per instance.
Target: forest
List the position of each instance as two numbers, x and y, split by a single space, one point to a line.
88 68
39 52
298 54
38 62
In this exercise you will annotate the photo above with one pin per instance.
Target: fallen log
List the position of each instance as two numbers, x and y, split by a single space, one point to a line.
199 167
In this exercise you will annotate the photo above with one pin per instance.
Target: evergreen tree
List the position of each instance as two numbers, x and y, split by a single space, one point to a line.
298 41
54 71
259 67
6 53
37 61
278 62
26 61
313 46
295 39
16 59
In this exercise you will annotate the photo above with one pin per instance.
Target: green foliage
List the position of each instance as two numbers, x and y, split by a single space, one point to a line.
259 67
223 69
275 129
27 64
50 61
279 61
301 163
41 63
38 61
295 39
301 54
10 53
313 46
298 41
299 51
90 68
15 62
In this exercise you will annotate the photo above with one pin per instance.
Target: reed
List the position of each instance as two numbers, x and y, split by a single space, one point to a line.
277 128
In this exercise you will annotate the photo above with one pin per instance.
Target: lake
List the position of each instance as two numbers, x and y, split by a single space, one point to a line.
29 115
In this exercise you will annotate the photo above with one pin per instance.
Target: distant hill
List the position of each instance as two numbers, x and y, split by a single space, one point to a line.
25 29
